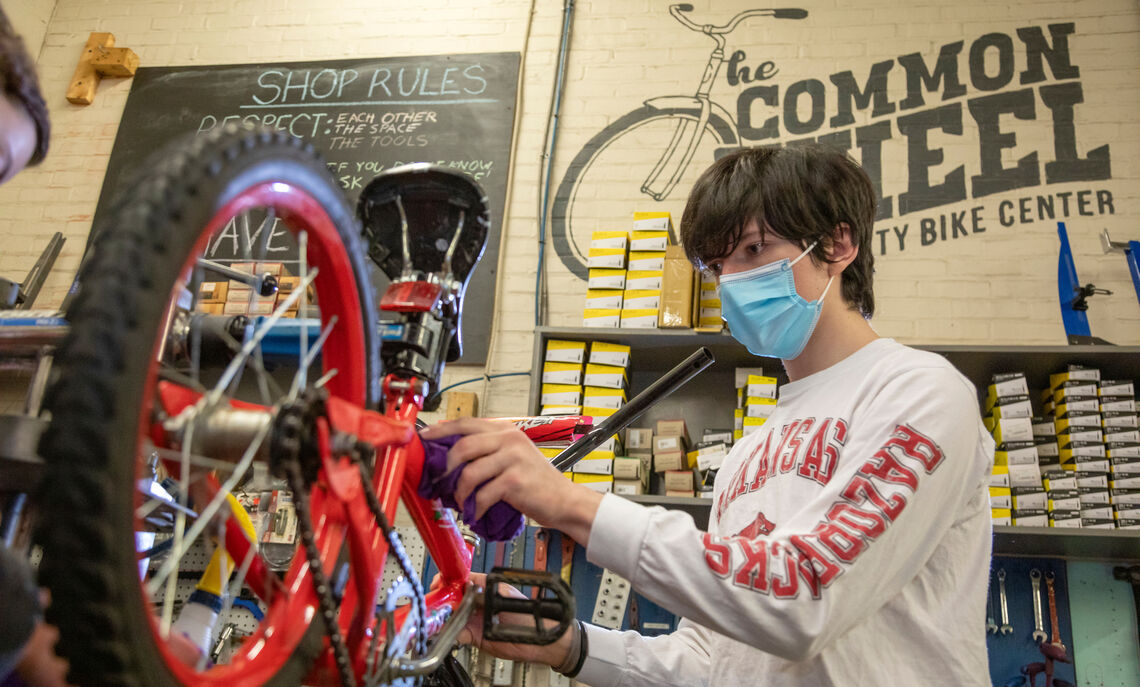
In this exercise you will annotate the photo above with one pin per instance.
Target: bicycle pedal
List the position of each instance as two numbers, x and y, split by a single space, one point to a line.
555 603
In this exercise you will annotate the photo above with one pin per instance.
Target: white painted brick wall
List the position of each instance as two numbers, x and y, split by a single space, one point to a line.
994 288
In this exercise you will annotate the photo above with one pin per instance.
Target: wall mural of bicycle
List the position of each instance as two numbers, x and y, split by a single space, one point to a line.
1028 75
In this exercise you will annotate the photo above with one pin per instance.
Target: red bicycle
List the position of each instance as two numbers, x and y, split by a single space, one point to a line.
212 516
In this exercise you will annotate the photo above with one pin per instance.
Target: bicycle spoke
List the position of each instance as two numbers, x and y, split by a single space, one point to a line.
298 378
177 550
325 379
207 513
259 334
302 370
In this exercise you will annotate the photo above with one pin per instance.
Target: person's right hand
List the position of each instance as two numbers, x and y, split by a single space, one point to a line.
551 654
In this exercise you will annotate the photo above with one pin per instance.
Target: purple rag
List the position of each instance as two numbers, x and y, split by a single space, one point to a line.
501 522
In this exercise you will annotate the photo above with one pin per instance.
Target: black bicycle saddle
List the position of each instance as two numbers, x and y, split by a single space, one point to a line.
426 225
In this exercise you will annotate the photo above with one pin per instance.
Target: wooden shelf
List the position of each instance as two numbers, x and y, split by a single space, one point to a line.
1036 542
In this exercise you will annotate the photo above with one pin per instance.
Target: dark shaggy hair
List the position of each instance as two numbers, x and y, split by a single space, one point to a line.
800 193
18 72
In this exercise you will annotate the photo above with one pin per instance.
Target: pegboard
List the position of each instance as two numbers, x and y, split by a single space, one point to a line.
417 552
1008 653
1104 627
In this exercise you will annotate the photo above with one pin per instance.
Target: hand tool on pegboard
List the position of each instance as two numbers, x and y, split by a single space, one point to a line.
1053 650
502 670
541 539
567 558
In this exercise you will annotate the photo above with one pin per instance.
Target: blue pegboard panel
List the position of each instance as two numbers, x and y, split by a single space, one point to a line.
1008 653
1104 627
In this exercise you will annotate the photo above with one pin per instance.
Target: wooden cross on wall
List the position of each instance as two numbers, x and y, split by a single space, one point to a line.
100 58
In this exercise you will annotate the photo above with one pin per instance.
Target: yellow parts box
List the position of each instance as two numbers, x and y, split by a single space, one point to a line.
638 280
647 260
604 299
652 221
606 279
604 353
1011 429
751 424
759 407
603 397
609 376
760 387
602 317
641 299
562 373
1001 497
561 410
610 239
561 394
639 319
606 258
594 466
558 351
656 240
602 483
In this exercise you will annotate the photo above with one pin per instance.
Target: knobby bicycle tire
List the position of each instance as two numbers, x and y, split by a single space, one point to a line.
87 498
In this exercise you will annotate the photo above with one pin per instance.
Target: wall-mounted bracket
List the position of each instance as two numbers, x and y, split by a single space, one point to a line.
100 58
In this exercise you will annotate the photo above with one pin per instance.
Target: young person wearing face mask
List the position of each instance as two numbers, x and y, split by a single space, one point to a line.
849 538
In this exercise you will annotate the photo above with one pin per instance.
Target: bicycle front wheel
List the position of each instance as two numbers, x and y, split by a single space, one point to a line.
162 413
637 163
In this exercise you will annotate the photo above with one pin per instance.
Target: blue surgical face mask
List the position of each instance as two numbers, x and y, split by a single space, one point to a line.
765 313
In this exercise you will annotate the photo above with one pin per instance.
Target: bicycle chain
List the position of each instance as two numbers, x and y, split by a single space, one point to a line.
290 454
395 546
320 581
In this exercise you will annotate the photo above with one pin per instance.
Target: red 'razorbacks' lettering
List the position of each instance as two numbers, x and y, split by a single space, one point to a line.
845 546
813 466
884 466
753 570
718 556
815 569
788 457
860 488
762 460
865 522
785 587
916 445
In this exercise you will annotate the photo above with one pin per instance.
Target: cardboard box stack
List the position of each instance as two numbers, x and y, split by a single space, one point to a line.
633 469
1017 496
233 297
1099 445
1087 445
755 400
563 370
670 457
605 382
647 245
606 284
707 316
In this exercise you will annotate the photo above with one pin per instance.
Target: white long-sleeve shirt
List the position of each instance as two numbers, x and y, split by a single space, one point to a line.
849 542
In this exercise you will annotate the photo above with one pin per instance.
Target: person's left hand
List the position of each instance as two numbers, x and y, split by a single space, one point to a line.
516 472
39 665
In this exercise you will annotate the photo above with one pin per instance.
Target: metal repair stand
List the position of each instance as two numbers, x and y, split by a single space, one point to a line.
1131 250
27 344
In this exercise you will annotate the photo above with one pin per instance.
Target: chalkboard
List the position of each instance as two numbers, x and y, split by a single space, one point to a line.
364 115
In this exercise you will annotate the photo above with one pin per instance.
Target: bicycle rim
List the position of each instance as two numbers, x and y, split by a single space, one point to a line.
613 176
145 396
